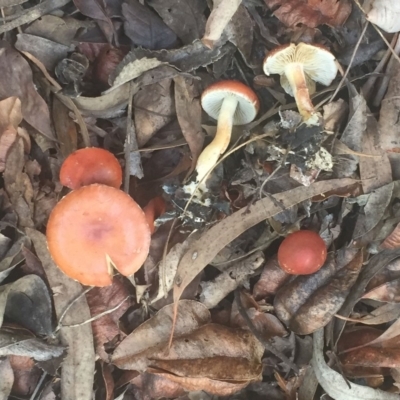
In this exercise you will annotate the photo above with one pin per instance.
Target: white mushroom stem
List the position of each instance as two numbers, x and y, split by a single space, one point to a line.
295 75
209 156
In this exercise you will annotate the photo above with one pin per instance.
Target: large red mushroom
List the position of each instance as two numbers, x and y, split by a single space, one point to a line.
95 229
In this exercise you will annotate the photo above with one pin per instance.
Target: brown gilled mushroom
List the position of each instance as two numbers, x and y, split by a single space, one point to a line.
231 103
300 66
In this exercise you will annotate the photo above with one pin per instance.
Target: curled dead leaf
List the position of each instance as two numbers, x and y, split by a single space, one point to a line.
137 349
219 18
309 302
393 240
311 13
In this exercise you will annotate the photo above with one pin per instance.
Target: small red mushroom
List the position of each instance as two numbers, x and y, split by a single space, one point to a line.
90 165
97 228
153 209
302 253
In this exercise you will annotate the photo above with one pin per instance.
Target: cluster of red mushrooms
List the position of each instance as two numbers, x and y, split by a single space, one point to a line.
97 228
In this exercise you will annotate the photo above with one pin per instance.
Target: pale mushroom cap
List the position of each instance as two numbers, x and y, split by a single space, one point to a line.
248 103
318 63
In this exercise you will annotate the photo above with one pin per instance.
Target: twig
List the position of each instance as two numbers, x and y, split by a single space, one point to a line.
367 87
130 142
33 14
164 257
56 89
96 317
386 79
39 384
59 325
378 30
268 346
351 61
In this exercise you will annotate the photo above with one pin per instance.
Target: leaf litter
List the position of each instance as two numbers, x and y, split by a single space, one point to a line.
211 313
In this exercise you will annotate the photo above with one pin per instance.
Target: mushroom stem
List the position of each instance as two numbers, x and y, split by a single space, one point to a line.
295 75
209 156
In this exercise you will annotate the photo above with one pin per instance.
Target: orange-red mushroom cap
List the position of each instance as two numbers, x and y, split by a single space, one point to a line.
95 228
248 102
90 165
302 253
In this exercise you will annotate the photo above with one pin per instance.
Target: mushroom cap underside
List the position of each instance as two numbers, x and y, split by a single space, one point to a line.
248 103
318 63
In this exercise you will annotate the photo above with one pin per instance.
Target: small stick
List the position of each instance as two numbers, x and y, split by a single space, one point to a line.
351 62
96 317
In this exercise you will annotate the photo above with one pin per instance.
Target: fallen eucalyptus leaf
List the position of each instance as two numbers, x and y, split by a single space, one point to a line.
186 59
219 18
16 80
77 374
309 302
375 264
212 292
27 302
173 12
188 112
203 251
7 379
22 345
137 350
145 28
335 385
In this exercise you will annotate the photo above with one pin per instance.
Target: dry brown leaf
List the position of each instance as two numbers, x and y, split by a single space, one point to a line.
393 240
173 12
240 31
311 12
16 80
10 118
7 378
212 292
271 279
154 108
65 128
388 292
77 374
385 355
157 386
188 112
106 328
17 184
309 302
219 388
231 356
26 375
145 28
219 18
389 129
138 349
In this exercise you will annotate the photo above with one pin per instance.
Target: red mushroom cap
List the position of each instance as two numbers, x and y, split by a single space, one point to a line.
248 102
95 228
90 165
302 253
153 209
